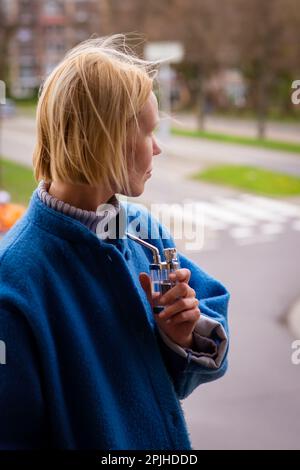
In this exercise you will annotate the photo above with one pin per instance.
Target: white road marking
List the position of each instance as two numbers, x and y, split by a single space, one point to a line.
272 229
283 208
255 240
252 210
247 219
241 232
296 225
215 211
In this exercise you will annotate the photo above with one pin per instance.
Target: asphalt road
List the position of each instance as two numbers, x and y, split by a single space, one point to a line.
256 404
252 246
17 139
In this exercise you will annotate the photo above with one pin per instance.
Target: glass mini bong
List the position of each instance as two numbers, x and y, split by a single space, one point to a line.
160 270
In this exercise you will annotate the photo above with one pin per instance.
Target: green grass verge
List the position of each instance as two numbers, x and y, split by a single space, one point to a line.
232 139
26 109
252 179
17 180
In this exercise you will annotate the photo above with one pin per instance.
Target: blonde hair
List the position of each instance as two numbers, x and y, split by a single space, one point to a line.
87 107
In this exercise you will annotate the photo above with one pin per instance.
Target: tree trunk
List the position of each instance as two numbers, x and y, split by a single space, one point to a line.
262 107
263 88
200 101
261 124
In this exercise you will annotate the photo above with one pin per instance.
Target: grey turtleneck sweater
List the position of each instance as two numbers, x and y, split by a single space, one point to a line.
90 219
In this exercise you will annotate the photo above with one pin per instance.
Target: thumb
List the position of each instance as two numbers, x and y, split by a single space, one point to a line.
146 285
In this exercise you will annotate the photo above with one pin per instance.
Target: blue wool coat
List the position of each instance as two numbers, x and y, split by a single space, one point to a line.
85 366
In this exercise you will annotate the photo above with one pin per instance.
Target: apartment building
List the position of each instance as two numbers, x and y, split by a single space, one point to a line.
40 32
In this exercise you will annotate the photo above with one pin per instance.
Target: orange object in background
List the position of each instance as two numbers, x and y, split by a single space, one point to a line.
9 214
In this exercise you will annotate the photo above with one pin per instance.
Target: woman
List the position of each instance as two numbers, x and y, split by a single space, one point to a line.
88 364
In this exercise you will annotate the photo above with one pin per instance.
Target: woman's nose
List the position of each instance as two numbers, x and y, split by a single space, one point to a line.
156 149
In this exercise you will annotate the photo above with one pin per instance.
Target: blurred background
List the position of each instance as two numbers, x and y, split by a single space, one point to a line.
230 122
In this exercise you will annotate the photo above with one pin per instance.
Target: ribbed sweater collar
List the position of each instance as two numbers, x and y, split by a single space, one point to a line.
90 219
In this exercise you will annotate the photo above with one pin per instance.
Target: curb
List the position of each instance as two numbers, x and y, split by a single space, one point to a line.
293 319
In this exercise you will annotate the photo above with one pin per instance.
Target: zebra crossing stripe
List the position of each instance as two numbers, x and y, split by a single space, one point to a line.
283 208
296 225
253 211
255 239
248 219
272 229
194 216
241 232
227 216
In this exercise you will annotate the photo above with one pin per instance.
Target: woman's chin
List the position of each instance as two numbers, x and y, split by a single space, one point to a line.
134 192
137 192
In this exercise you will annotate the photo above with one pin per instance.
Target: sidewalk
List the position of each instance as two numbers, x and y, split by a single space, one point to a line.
285 131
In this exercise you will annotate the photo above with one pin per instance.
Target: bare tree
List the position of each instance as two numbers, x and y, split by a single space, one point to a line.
259 37
207 38
203 28
268 36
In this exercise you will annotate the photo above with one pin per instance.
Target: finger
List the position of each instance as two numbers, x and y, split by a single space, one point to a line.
179 306
146 285
191 316
180 290
181 275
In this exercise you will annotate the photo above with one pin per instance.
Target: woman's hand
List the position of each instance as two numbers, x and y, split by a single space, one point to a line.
181 312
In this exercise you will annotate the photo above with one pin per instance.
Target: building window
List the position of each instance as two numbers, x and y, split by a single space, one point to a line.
55 47
26 71
27 60
24 35
81 35
53 7
81 16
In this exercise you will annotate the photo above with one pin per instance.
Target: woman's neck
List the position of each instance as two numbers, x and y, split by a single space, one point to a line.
82 196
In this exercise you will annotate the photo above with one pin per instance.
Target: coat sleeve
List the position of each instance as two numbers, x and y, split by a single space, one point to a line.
21 402
211 339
